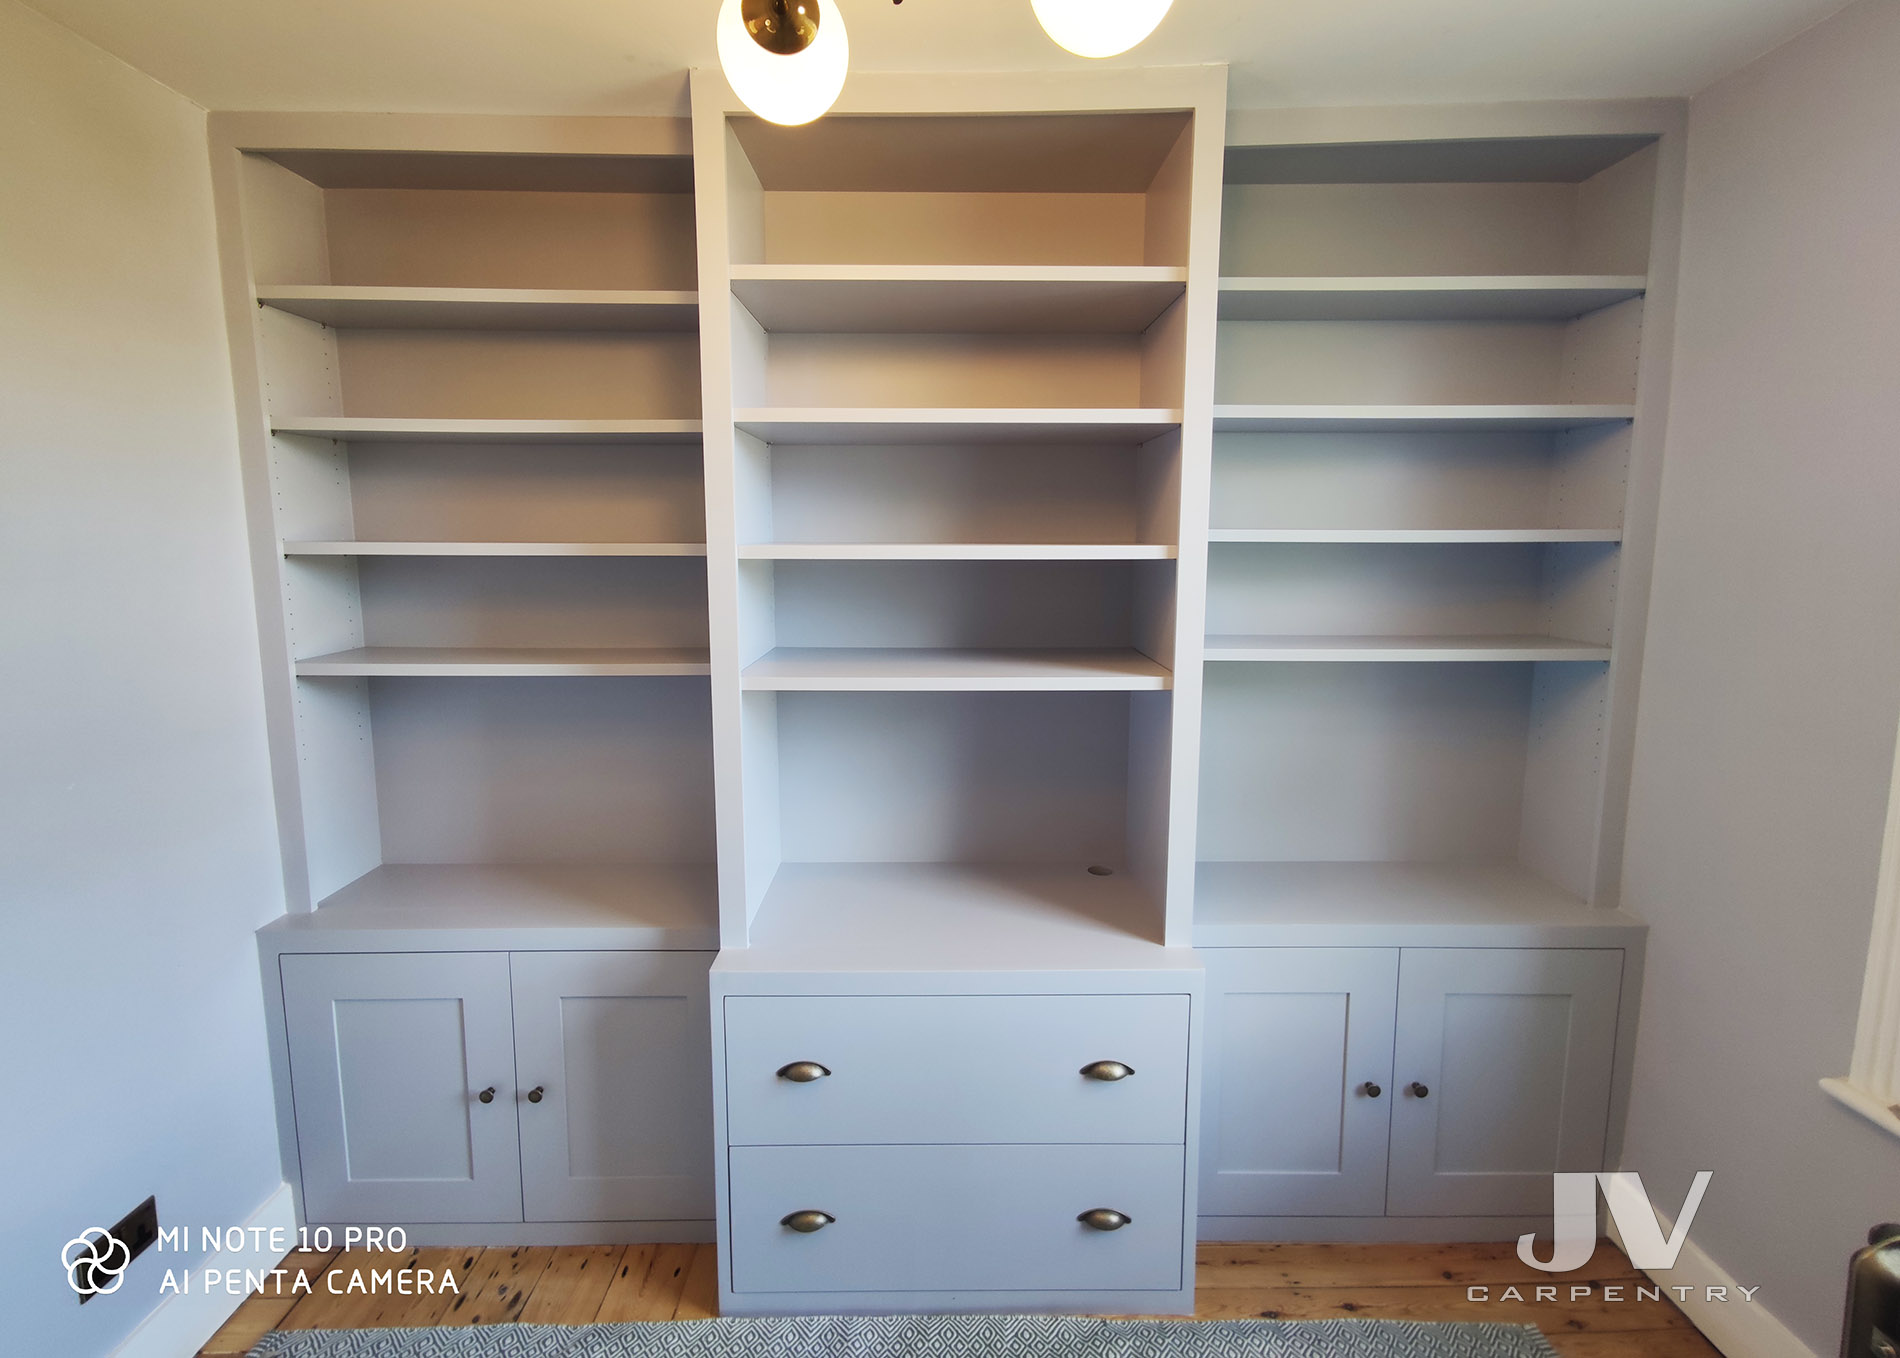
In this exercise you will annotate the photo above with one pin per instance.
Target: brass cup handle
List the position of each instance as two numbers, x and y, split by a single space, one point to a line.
536 1094
1109 1071
807 1222
1420 1091
487 1095
803 1073
1104 1219
1371 1090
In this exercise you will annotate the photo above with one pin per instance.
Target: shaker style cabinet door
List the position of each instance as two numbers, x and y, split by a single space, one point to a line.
615 1077
402 1066
1299 1060
1503 1073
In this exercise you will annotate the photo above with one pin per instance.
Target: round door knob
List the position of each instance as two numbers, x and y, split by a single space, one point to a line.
1419 1091
536 1094
1107 1070
807 1222
1371 1090
487 1095
1104 1219
803 1073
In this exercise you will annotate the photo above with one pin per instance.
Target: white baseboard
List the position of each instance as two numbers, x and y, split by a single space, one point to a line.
1740 1329
180 1324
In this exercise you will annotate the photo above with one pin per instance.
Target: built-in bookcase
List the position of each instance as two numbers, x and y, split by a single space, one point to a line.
1427 386
480 421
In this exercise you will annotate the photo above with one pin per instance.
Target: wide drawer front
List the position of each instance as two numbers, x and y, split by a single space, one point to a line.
956 1218
977 1068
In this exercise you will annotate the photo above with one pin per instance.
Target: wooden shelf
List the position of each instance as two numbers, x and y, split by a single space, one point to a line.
496 661
1395 905
373 429
987 299
374 308
1265 419
891 670
1398 650
956 551
1501 298
1437 535
427 907
494 549
868 426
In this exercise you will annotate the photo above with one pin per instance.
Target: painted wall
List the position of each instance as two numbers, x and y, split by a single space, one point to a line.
1771 686
137 845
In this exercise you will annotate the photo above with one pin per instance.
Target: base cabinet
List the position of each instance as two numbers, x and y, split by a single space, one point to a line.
435 1088
1432 1082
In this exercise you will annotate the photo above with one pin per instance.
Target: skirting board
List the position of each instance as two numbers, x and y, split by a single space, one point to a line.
183 1321
1366 1230
1739 1329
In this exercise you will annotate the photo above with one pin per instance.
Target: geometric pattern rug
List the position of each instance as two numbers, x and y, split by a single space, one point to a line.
926 1337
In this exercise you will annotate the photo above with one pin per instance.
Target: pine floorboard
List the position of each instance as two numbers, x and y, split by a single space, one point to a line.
582 1284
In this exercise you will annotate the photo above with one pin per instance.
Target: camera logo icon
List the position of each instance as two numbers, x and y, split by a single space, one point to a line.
95 1261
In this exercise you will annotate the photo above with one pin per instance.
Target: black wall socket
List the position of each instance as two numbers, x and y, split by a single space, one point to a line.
137 1230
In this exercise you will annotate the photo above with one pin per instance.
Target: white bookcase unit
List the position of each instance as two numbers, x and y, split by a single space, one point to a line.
1086 645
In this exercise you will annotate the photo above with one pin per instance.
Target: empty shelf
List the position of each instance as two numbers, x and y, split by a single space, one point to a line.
1476 535
438 661
1423 298
1395 905
901 298
858 425
1397 650
888 670
494 549
375 429
1242 419
373 308
956 551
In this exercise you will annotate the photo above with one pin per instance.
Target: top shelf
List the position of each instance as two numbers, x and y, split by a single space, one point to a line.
383 308
951 299
1425 298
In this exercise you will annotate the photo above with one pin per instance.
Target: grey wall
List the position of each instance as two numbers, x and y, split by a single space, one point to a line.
137 845
1771 685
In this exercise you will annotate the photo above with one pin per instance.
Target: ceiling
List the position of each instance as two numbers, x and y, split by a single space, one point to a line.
629 56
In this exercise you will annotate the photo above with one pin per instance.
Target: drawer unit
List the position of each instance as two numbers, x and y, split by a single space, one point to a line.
954 1068
950 1219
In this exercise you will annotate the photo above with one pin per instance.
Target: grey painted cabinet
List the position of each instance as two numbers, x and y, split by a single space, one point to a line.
1492 1066
497 1087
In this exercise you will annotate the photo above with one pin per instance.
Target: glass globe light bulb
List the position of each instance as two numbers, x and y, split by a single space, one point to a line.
1100 28
790 88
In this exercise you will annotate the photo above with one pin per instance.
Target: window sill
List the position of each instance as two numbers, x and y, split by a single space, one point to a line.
1865 1104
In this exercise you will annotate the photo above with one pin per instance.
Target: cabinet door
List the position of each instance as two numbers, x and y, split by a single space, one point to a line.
389 1056
1512 1050
1298 1041
619 1044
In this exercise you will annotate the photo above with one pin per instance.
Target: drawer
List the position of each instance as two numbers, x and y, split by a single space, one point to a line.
956 1218
975 1068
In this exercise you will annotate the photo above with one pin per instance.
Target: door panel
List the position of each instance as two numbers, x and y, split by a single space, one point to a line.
388 1056
1514 1049
1294 1037
619 1044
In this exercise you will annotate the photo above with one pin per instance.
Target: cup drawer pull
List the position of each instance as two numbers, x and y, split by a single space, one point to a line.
1107 1070
807 1222
802 1073
1104 1219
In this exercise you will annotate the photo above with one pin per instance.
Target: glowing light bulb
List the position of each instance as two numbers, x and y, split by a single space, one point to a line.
788 87
1100 28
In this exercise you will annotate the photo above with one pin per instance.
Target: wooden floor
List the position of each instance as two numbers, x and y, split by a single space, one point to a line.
582 1284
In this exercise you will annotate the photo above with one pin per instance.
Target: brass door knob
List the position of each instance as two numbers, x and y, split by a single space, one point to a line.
1419 1091
807 1222
1371 1090
1107 1070
487 1095
802 1072
535 1095
1104 1219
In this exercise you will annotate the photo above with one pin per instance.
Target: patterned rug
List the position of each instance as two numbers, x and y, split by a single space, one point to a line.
926 1337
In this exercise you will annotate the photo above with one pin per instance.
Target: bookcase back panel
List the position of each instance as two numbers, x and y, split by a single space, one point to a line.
529 601
953 777
949 370
498 492
952 228
543 770
467 374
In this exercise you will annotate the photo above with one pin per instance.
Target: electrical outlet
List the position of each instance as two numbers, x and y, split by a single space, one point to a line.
137 1230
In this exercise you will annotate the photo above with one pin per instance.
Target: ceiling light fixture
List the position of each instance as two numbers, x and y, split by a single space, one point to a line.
1100 28
784 58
